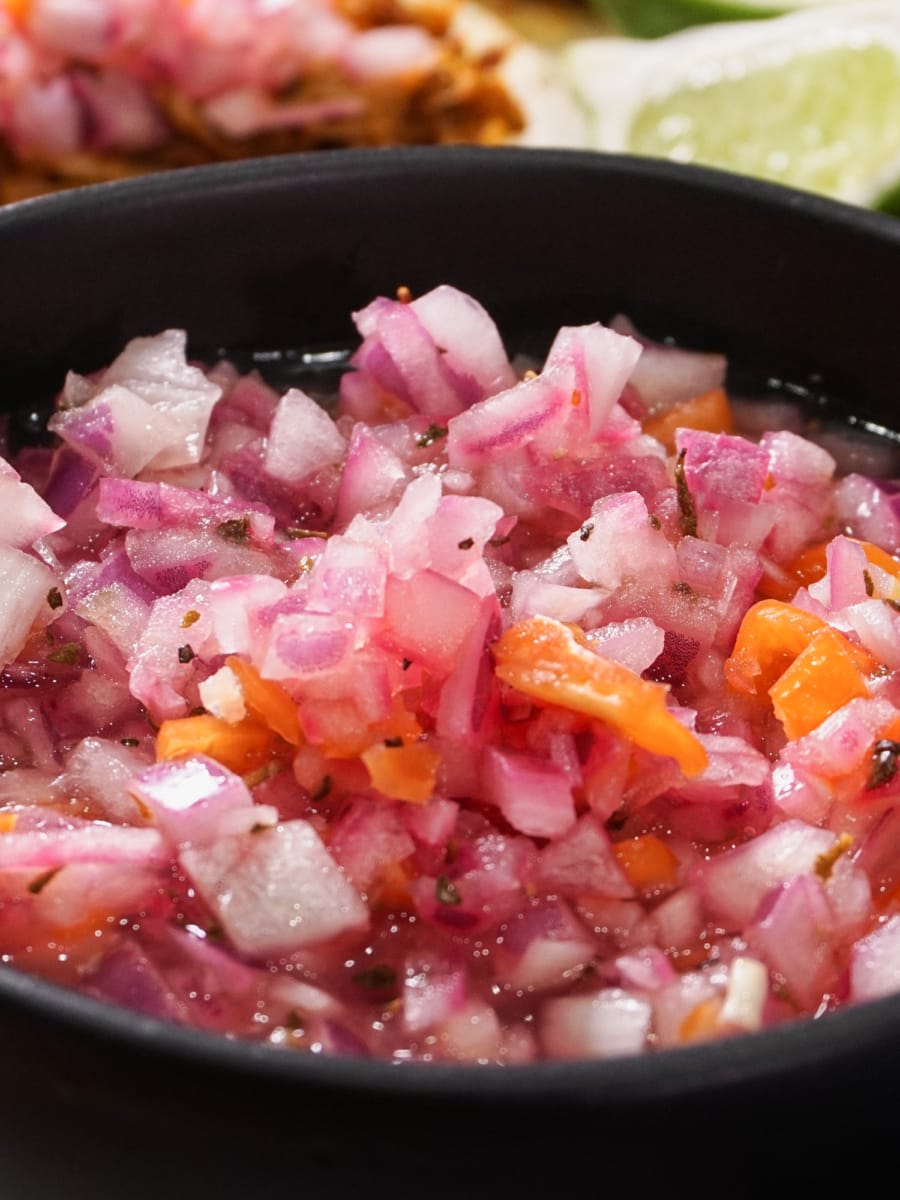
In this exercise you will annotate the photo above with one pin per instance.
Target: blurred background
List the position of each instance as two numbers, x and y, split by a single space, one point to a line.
799 91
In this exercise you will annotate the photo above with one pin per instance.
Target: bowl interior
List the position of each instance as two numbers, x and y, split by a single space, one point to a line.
274 255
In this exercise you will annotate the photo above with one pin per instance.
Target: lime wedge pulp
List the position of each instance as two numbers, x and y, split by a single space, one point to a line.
810 99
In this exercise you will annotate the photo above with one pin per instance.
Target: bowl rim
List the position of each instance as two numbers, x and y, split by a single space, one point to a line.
675 1072
345 164
682 1072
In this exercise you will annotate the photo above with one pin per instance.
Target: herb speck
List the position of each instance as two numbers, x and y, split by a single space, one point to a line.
37 885
68 654
685 500
445 891
432 434
236 530
883 763
323 789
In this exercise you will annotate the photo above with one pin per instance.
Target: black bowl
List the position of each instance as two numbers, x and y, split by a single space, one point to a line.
275 254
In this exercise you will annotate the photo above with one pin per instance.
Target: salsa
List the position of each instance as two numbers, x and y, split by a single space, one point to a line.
487 710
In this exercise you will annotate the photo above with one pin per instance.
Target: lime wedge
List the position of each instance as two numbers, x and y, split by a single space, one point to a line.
655 18
810 99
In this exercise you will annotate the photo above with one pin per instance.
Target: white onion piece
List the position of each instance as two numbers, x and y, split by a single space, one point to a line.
277 890
668 375
875 962
24 515
607 1024
745 995
25 585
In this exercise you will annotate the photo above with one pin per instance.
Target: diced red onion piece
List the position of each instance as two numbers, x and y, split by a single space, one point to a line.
508 420
46 118
645 970
120 113
582 860
468 337
372 472
91 843
734 882
534 796
189 797
303 438
104 771
635 643
794 935
618 542
431 995
599 362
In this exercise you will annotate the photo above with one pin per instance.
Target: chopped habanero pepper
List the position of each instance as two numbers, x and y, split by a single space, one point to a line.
354 735
710 411
406 772
810 566
647 861
771 636
267 701
550 662
241 746
702 1022
828 673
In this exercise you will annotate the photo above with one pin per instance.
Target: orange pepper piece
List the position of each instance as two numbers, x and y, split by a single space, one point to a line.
885 900
810 566
357 736
240 746
702 1022
549 662
392 890
825 676
19 10
880 558
405 772
267 701
891 732
8 822
647 861
771 636
710 411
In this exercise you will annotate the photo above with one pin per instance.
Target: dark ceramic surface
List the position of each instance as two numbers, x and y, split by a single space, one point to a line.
98 1103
